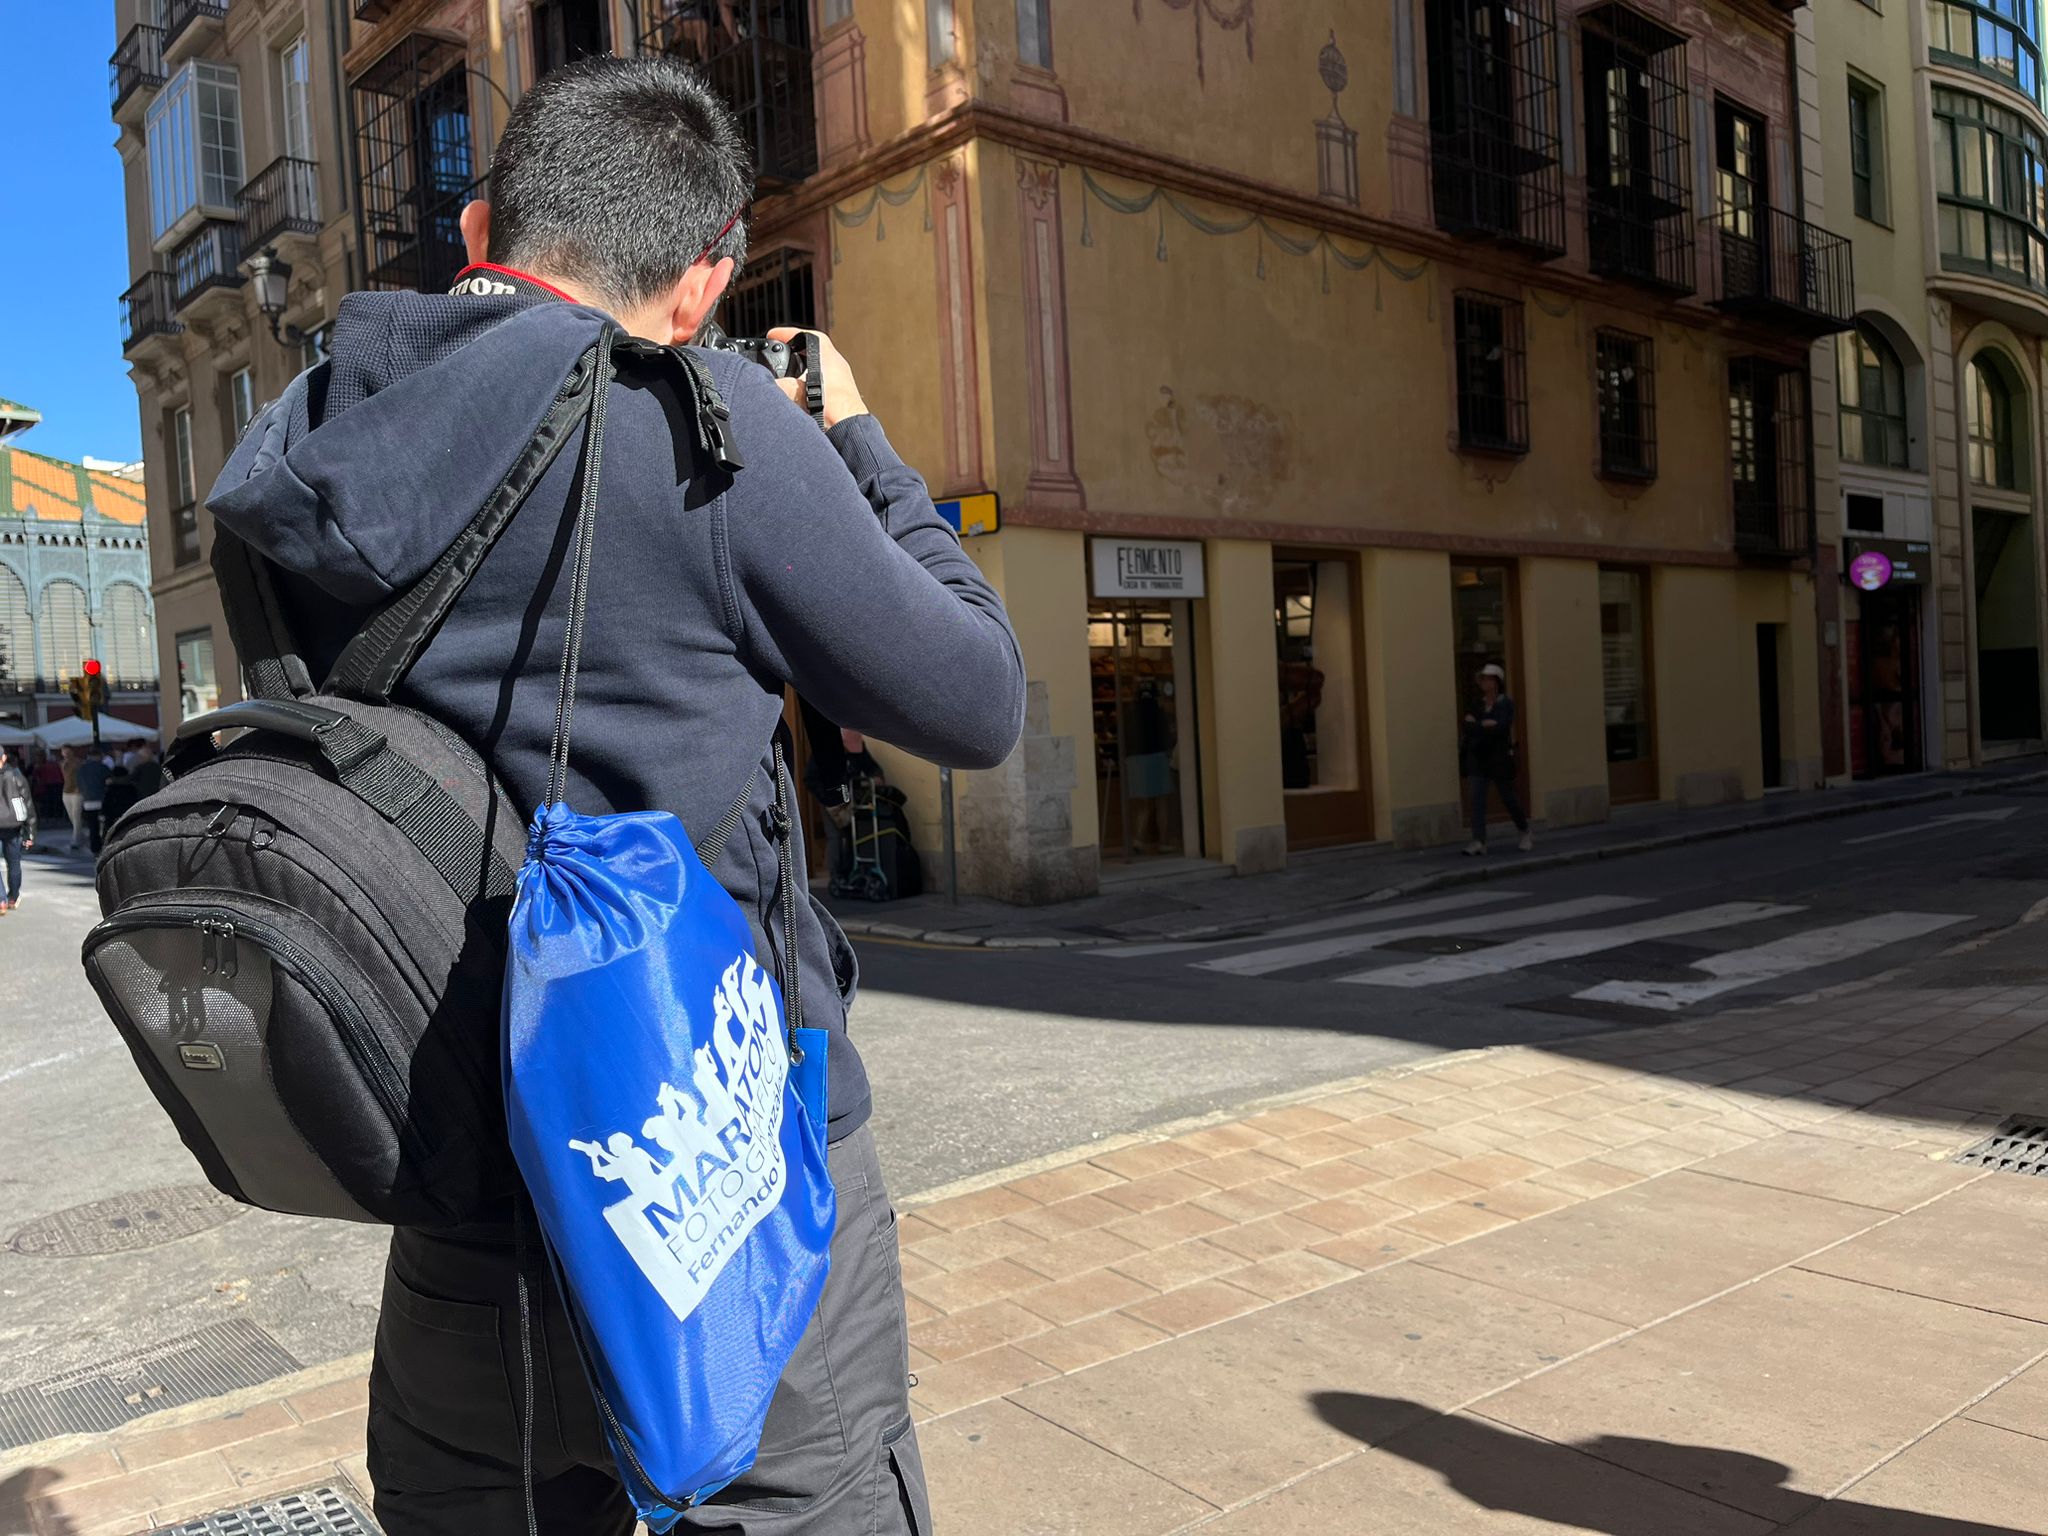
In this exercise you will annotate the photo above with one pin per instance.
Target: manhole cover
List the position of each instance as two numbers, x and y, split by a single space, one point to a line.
316 1512
107 1394
125 1222
2018 1146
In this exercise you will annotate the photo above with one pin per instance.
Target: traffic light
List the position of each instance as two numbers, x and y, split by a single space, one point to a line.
89 689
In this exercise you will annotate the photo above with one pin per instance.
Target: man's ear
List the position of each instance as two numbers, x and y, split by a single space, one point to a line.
695 296
476 231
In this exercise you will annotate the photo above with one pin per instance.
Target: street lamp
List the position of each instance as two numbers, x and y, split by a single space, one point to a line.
272 275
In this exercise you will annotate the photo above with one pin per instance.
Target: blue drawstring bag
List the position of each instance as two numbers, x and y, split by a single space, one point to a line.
667 1118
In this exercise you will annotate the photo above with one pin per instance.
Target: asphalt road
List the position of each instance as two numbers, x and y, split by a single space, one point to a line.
981 1059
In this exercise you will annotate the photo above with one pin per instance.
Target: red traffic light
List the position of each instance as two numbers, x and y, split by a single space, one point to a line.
92 667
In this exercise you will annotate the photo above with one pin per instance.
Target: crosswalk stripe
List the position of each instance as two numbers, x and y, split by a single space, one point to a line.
1765 962
1357 917
1564 946
1260 962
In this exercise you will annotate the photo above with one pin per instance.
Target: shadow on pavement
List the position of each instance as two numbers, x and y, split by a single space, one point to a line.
21 1490
1577 1486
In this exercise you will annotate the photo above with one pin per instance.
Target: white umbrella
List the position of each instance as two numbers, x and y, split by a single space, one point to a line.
15 736
74 732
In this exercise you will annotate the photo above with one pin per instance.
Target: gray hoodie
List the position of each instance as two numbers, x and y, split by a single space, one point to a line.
820 565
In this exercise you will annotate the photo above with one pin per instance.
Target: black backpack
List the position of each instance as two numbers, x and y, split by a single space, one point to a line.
304 933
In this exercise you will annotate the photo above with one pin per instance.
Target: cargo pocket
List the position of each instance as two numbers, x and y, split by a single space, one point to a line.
440 1371
902 1507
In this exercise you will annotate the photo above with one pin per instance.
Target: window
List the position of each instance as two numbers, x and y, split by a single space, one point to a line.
940 41
566 30
66 625
1741 189
198 688
17 634
1625 679
1496 167
777 290
1493 404
1868 179
1863 514
1768 433
184 498
294 96
1628 404
1989 178
1870 383
194 130
127 636
313 350
241 401
837 11
1034 33
1999 38
1638 108
1989 402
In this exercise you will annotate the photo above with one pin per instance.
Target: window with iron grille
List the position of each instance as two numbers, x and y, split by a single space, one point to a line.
1493 391
776 290
757 57
1638 179
1495 138
414 147
1767 457
1628 404
1870 387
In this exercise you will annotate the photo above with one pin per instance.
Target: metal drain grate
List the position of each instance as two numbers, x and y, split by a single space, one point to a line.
2018 1146
124 1223
109 1393
315 1512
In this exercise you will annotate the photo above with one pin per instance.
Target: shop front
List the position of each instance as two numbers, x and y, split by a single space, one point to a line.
1141 672
1883 636
1319 644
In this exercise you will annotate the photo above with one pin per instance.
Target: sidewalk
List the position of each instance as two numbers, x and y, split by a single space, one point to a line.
1192 899
1719 1278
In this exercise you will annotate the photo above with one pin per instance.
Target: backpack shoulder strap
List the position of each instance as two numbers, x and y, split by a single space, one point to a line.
271 666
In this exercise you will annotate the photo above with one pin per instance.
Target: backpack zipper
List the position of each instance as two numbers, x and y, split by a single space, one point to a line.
217 957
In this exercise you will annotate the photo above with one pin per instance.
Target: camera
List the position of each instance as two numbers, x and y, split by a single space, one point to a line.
782 359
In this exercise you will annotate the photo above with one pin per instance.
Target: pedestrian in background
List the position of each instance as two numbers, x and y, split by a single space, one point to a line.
149 773
92 793
17 825
74 798
1487 753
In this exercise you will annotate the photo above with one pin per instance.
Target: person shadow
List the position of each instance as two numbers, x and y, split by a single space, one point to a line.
1497 1469
19 1492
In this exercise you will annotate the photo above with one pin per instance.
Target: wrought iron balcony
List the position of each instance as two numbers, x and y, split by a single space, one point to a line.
1496 170
210 258
416 237
1770 266
181 15
146 310
1641 237
282 198
137 64
758 60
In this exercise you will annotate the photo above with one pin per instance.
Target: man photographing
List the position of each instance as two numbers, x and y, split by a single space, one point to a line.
619 189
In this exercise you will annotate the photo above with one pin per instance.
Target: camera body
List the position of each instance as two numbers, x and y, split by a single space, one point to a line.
782 359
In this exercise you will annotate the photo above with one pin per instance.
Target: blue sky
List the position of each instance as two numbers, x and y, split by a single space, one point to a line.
63 259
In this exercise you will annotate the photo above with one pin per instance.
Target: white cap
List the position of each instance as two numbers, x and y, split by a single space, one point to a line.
1493 669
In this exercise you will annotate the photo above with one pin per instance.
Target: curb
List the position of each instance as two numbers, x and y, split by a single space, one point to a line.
1463 875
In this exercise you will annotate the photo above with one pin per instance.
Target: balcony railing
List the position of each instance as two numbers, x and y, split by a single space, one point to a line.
416 237
210 258
185 534
1642 238
1496 162
137 64
758 60
146 310
282 198
181 14
1771 266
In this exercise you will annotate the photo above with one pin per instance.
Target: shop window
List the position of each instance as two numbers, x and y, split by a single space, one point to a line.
194 132
1493 390
1870 384
1989 399
198 685
1625 675
1628 405
1141 668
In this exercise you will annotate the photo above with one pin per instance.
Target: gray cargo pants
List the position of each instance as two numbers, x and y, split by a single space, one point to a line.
838 1456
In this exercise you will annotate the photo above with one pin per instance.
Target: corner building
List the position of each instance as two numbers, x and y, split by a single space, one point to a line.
1318 355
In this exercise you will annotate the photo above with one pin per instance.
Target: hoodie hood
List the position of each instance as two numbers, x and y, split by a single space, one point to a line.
367 467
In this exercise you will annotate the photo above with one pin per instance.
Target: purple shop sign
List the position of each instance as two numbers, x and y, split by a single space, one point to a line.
1870 570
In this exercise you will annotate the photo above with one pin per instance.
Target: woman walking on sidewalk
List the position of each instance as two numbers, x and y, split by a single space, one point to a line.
1487 750
17 826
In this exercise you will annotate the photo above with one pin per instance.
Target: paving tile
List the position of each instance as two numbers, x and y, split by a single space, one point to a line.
1239 1168
1435 1114
344 1396
1163 1228
1420 1191
1647 1158
1453 1223
1068 1301
996 1470
1588 1179
1526 1123
1076 1213
1149 1157
1169 1268
1642 1253
1380 1130
1519 1202
162 1445
964 1288
1463 1476
1613 1131
1297 1120
915 1266
1965 1479
971 1210
1201 1305
2021 1405
977 1378
1350 1213
976 1329
271 1456
1492 1168
1250 1383
1065 1183
179 1511
1327 1180
1250 1202
1270 1237
912 1229
1155 1190
1287 1275
1359 1104
1080 1345
1066 1257
1815 1165
110 1499
1980 1247
1374 1248
1781 1372
1210 1141
1315 1147
972 1245
1554 1149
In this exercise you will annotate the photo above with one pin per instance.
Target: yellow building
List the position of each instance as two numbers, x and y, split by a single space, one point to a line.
1317 355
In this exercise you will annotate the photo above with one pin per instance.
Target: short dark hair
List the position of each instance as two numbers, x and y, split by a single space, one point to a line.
616 173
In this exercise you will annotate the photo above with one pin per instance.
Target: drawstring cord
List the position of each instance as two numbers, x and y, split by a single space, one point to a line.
526 1327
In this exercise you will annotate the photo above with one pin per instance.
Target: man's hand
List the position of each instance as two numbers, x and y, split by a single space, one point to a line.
842 395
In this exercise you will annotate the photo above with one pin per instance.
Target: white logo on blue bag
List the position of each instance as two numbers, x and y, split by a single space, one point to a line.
686 1214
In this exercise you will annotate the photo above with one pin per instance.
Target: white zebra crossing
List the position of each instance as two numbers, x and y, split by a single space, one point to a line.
1357 917
1738 968
1261 962
1569 945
